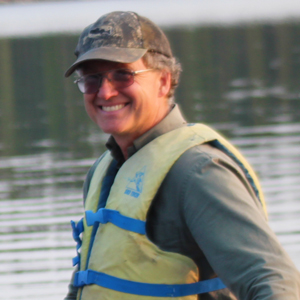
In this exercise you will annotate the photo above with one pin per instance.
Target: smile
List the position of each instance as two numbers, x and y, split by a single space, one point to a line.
112 108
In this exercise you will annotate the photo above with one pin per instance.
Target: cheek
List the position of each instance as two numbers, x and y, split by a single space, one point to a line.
88 100
88 104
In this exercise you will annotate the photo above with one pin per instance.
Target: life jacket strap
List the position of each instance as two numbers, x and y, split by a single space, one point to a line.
77 229
104 215
88 277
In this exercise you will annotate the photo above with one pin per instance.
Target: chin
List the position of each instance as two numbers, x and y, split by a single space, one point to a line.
111 130
117 128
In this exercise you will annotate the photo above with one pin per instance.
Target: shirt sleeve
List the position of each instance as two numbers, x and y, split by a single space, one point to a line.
228 223
72 290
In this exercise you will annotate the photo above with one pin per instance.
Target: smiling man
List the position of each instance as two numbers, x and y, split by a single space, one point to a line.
172 210
129 108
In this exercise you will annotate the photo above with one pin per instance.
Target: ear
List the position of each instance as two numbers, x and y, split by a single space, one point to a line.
165 83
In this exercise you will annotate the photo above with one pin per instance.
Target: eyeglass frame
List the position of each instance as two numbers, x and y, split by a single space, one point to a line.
133 73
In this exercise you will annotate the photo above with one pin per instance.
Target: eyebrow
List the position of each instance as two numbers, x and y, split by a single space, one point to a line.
88 69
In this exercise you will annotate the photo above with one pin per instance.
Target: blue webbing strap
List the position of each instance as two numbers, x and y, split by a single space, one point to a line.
77 229
146 289
104 215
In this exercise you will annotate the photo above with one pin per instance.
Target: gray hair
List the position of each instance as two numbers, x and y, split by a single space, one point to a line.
159 61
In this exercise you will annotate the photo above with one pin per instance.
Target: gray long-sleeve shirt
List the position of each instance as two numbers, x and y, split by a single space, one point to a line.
207 210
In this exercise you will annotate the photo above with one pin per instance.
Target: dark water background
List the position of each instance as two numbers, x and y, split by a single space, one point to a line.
241 80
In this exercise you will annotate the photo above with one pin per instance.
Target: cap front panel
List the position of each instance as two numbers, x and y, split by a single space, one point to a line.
116 29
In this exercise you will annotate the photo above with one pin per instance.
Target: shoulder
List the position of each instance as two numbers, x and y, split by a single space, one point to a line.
202 159
205 175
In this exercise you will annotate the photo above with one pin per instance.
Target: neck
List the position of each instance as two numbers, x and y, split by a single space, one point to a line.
124 144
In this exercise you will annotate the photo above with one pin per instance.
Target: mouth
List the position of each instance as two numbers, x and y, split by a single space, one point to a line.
113 107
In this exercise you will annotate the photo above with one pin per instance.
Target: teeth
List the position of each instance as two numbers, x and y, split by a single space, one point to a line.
113 108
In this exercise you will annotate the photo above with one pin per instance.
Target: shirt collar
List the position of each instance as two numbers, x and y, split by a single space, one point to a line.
172 121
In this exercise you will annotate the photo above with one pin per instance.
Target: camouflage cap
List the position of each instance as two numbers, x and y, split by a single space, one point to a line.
120 37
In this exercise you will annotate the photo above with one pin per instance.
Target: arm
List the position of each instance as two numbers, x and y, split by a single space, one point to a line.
229 226
72 290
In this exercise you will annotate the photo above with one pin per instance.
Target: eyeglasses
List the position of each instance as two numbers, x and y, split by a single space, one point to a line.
119 78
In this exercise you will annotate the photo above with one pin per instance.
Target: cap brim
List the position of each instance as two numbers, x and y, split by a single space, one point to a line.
122 55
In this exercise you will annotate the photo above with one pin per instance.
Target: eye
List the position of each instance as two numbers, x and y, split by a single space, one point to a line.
91 83
122 75
92 78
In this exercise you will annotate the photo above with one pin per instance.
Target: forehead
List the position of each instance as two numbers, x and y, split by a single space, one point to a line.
94 66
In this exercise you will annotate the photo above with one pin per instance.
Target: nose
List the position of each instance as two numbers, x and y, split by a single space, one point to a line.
106 90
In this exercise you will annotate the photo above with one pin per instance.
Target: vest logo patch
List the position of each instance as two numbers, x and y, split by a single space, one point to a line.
135 185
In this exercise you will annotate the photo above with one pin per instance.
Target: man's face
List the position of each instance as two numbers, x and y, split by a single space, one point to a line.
127 112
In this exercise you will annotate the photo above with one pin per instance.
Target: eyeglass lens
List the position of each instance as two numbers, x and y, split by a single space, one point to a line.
121 78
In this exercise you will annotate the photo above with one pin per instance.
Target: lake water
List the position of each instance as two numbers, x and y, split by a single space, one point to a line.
242 80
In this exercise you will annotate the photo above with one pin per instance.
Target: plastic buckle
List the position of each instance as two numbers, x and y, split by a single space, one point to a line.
81 278
92 218
101 216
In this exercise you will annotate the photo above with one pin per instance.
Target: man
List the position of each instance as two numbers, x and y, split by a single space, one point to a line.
172 210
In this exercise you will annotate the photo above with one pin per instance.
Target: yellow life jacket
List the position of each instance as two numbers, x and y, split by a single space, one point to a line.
117 260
